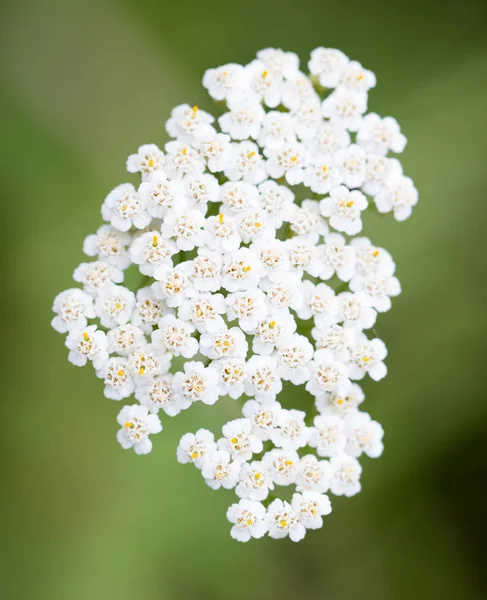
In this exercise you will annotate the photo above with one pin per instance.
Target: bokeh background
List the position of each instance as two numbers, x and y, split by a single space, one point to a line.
83 84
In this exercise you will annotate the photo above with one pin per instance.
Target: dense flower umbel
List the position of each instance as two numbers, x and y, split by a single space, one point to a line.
242 231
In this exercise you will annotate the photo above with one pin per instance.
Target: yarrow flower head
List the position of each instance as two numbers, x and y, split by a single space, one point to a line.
246 229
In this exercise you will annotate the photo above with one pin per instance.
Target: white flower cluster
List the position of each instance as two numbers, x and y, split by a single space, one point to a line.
241 230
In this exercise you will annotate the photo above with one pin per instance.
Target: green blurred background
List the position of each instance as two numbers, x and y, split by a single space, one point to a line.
83 84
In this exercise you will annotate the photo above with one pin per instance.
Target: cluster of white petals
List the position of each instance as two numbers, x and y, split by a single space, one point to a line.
242 229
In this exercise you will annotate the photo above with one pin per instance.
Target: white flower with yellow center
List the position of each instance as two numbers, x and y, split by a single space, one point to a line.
379 136
253 226
158 395
346 475
262 380
303 256
255 482
283 465
297 90
224 82
399 198
118 381
356 311
238 196
152 253
372 259
247 164
231 376
378 288
241 270
110 246
277 129
263 418
336 339
239 441
328 435
352 162
280 62
124 207
271 330
173 337
196 383
283 295
291 432
159 195
328 374
216 149
265 83
182 159
200 190
196 448
206 271
146 363
288 161
323 174
186 228
114 305
96 275
344 208
248 307
328 64
218 471
87 344
73 308
221 233
363 436
294 352
307 221
282 521
136 426
343 404
174 286
204 311
243 120
311 508
337 258
307 117
355 77
148 160
224 343
345 107
188 123
367 357
277 201
381 173
328 138
314 475
248 518
125 339
319 303
148 310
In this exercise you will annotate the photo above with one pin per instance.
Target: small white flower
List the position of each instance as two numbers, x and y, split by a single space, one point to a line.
352 163
248 307
110 246
182 159
328 435
264 418
263 382
158 394
124 207
219 472
307 221
364 435
399 198
152 253
328 64
345 107
255 482
272 329
343 404
216 149
239 441
189 122
288 161
280 62
382 173
221 233
328 374
247 164
265 83
146 363
323 174
367 357
160 195
319 302
372 259
356 311
206 271
378 136
283 295
277 129
118 381
310 508
277 201
223 82
294 353
125 339
303 256
136 426
346 475
307 117
298 90
195 383
291 432
243 121
174 337
72 307
231 376
238 196
174 285
196 448
253 225
328 138
148 160
114 305
241 270
274 258
282 521
283 465
379 289
186 228
355 77
204 311
87 344
200 190
148 310
248 517
336 339
337 258
96 275
224 343
344 207
314 475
